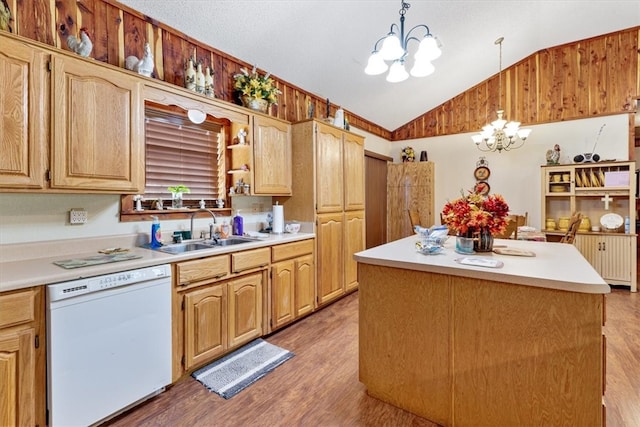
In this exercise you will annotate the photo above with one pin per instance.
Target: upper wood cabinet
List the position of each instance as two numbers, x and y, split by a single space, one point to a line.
329 168
271 156
23 115
353 165
97 127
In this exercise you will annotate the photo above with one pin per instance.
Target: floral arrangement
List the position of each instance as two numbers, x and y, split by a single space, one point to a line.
256 86
408 155
475 211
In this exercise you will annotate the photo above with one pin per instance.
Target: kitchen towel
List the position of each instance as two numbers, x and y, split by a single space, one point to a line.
278 219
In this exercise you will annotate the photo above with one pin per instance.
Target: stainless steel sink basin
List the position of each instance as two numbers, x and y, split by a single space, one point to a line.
234 241
179 248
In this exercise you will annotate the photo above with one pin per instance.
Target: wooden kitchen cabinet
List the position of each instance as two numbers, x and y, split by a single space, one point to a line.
330 250
23 118
335 157
245 308
608 254
292 282
22 358
97 127
354 242
205 322
217 306
271 156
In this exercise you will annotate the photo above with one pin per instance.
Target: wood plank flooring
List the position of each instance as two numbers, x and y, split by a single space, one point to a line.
320 387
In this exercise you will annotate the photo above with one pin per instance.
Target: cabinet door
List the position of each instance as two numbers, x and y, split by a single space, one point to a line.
353 172
98 133
590 247
205 325
354 242
271 156
245 308
330 268
616 263
282 293
305 285
17 378
22 116
329 172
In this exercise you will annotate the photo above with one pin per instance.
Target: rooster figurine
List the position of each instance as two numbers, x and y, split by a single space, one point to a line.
5 16
83 46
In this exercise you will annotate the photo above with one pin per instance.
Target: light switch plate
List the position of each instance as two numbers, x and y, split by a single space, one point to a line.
78 216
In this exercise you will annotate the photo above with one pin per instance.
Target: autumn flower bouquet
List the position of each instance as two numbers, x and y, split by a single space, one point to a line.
474 212
255 86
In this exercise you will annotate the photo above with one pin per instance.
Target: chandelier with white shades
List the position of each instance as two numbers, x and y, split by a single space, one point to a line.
394 48
500 135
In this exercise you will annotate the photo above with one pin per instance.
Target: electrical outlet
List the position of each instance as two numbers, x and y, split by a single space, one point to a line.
78 216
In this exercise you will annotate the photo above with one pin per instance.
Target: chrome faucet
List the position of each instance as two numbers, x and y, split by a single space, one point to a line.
210 225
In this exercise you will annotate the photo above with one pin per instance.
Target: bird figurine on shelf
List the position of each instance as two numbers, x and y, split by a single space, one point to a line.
5 17
144 65
83 45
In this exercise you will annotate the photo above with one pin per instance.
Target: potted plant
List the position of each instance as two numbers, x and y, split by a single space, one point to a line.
176 195
478 217
256 92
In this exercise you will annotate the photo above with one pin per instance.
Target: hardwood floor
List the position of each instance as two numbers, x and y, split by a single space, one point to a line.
320 387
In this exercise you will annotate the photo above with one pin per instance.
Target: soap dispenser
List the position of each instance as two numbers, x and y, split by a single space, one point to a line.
238 224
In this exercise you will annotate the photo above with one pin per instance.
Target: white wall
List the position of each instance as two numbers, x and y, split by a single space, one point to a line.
514 174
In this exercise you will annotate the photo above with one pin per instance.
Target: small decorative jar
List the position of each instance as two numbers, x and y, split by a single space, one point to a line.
550 224
563 223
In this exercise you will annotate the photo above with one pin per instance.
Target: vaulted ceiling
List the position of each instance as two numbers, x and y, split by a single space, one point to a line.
322 46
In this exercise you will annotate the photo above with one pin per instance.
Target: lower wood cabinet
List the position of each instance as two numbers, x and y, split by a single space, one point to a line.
292 282
22 358
216 310
354 242
612 256
330 255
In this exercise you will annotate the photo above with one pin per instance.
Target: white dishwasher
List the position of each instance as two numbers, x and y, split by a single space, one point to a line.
109 344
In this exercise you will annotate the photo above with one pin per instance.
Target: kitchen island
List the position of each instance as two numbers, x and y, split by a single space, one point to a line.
467 345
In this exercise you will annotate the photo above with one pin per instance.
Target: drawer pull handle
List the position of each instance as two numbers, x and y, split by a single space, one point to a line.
251 268
220 275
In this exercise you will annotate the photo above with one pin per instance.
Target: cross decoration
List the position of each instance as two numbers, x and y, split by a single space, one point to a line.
606 199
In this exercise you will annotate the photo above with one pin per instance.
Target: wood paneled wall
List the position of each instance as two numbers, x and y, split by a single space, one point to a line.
597 76
592 77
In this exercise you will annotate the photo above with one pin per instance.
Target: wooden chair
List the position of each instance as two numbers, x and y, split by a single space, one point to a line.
511 230
414 218
521 219
574 224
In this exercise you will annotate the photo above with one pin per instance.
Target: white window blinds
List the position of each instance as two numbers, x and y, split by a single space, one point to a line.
178 152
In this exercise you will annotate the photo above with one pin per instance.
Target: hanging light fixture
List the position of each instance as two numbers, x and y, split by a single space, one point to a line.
394 48
500 134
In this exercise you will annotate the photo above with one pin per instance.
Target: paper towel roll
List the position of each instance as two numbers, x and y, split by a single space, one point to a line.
278 219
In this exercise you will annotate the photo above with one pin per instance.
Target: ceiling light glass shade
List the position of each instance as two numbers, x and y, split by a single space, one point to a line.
500 135
428 49
397 73
391 48
376 64
422 68
196 116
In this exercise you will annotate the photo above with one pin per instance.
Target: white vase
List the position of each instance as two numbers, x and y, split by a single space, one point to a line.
208 83
190 76
199 79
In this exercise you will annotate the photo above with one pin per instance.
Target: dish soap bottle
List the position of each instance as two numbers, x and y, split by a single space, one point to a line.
156 235
224 230
238 224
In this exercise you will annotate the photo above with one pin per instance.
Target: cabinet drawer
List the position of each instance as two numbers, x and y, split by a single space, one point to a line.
291 250
17 308
247 260
215 267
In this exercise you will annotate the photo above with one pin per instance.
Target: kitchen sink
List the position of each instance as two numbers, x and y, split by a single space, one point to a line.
180 248
234 241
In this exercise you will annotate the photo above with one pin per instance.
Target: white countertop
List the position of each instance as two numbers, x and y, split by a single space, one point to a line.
31 264
556 265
